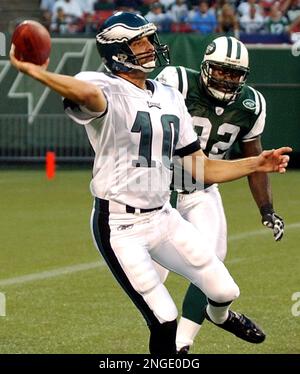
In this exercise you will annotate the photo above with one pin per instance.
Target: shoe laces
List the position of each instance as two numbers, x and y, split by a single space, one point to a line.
242 319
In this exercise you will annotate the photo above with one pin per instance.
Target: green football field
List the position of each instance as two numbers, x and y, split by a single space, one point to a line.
60 297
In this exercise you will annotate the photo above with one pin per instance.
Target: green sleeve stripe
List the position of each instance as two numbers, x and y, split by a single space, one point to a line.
260 104
257 101
182 80
259 124
180 84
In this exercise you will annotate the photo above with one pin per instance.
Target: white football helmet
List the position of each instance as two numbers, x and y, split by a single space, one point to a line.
231 57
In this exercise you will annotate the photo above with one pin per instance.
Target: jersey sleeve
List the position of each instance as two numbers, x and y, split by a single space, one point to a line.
260 111
188 141
79 113
169 76
175 76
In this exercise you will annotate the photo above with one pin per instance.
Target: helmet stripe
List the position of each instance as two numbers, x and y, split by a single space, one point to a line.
229 47
238 51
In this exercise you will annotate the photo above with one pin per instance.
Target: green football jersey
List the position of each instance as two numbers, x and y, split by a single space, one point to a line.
277 27
218 127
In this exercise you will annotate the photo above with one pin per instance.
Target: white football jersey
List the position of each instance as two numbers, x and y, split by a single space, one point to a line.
135 139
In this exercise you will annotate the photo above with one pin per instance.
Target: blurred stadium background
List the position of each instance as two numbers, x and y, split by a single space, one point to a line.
60 298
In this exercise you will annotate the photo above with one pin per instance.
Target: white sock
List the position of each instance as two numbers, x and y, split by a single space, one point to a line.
186 332
218 314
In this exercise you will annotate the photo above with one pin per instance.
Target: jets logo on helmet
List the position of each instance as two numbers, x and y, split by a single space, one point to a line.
225 68
115 37
210 48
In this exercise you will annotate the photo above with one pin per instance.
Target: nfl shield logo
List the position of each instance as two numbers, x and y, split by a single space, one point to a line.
219 110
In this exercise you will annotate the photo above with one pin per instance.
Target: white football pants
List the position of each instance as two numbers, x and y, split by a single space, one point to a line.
129 243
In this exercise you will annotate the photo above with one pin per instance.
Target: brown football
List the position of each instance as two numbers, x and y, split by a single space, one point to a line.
32 42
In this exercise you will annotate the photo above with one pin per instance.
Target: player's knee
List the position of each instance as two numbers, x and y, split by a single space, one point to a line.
228 293
160 302
140 271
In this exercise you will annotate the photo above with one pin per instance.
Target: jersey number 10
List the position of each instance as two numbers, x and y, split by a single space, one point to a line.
143 125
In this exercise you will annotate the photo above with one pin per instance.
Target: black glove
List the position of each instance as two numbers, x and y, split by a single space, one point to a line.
273 221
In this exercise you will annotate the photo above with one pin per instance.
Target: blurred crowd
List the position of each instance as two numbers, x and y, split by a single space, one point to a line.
253 17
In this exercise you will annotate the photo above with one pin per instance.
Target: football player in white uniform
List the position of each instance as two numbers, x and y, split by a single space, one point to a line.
225 111
135 126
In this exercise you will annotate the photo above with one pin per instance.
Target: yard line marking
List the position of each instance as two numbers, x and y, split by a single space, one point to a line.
265 231
51 273
92 265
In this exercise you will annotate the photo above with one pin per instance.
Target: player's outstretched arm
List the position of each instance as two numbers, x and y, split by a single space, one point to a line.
217 171
82 93
274 160
260 186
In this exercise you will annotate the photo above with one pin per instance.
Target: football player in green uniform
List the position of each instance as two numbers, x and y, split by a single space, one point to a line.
225 111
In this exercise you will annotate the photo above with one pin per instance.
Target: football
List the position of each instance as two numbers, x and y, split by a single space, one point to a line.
32 42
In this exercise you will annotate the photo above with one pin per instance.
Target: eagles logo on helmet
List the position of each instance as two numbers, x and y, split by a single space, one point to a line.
115 37
229 56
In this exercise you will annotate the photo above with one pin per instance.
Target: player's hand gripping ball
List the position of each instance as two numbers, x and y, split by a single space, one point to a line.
32 42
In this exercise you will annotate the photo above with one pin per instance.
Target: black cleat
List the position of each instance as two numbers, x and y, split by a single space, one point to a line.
184 350
242 327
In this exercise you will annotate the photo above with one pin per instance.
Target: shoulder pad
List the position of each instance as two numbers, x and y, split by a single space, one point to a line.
169 76
252 100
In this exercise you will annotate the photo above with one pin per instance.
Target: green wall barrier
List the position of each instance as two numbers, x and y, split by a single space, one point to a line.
274 71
